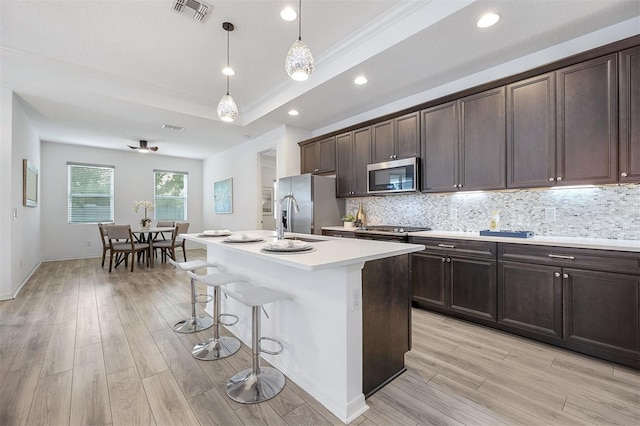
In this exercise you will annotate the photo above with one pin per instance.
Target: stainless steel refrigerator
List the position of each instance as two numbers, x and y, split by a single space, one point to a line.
316 198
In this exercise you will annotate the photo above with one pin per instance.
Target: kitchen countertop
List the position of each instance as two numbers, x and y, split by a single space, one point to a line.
330 252
575 242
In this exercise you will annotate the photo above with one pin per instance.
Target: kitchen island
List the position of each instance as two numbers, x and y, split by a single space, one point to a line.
322 327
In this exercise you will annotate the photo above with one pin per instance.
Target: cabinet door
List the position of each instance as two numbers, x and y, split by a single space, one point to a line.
530 298
629 111
326 155
587 106
473 287
308 154
482 141
601 309
361 158
531 132
344 169
407 135
440 148
382 142
428 277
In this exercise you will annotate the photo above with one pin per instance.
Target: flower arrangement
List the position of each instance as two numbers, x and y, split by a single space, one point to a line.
147 206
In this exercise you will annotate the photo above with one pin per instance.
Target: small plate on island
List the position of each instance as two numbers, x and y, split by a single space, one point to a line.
287 246
243 238
215 233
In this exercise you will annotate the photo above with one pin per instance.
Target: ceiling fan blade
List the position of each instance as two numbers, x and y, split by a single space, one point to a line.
153 148
133 147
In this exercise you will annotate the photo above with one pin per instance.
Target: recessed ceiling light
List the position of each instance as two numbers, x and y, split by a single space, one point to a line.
228 71
172 127
288 14
360 80
487 20
294 112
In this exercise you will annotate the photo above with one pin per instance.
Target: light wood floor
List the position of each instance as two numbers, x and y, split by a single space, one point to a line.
81 346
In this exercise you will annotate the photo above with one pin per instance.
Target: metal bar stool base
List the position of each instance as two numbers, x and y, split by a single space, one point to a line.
192 325
248 387
216 348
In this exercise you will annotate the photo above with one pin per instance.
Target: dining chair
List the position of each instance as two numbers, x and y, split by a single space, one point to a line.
161 224
105 241
168 247
121 241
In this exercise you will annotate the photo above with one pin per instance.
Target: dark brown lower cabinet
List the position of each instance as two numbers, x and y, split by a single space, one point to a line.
386 321
530 298
601 312
453 284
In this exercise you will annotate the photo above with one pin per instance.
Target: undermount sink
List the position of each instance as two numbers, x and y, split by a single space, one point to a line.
305 239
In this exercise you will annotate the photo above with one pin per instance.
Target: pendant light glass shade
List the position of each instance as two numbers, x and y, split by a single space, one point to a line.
227 108
299 62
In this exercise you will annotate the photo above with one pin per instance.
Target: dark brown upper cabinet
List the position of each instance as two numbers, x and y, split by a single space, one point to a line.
531 132
464 143
396 138
587 122
319 157
354 153
629 119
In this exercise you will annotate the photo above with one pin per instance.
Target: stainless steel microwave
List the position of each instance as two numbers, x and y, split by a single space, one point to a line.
393 176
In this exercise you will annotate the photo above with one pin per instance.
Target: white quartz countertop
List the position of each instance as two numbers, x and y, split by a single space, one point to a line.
329 252
575 242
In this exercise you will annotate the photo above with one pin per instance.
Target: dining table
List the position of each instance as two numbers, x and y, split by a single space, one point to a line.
147 235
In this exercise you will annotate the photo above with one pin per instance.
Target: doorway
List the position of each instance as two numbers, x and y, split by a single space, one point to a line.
267 205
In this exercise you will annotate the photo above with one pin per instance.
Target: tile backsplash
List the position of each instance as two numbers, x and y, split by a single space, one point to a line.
595 212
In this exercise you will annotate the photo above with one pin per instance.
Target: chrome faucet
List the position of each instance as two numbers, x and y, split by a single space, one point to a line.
280 228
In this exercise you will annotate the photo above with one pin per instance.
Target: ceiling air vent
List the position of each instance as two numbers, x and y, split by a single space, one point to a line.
200 9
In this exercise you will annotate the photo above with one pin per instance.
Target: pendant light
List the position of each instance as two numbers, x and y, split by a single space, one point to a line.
227 108
299 62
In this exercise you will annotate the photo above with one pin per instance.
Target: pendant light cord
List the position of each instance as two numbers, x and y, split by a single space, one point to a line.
228 61
300 20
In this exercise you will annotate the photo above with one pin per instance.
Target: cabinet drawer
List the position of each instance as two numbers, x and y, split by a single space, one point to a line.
601 260
460 247
342 234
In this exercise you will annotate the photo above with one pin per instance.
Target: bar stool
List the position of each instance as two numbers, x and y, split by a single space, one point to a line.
194 323
256 384
217 347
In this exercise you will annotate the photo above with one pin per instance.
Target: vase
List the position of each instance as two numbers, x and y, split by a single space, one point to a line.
360 216
144 223
348 225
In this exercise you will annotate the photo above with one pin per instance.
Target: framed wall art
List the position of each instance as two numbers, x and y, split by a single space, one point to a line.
29 184
223 196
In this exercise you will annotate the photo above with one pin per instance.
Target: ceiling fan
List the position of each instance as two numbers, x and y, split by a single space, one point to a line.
143 147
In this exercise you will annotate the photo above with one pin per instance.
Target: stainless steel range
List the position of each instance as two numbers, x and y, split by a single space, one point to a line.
387 232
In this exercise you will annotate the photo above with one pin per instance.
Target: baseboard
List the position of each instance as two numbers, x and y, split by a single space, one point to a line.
8 296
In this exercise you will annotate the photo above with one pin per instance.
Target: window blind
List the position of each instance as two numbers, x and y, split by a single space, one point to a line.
90 191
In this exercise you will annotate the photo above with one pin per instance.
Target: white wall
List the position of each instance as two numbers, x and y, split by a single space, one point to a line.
242 164
20 239
133 182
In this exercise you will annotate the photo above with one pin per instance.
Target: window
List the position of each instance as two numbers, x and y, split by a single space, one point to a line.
90 189
170 195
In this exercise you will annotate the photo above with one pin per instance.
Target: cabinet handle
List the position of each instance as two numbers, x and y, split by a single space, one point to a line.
446 245
558 256
565 276
557 274
559 178
551 179
443 259
315 170
448 260
623 174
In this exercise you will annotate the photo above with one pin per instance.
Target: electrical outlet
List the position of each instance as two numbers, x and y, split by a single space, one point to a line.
550 214
355 299
88 243
453 213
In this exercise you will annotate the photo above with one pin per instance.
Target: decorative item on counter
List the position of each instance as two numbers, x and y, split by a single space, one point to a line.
348 221
360 217
494 225
144 223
